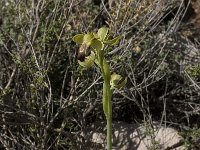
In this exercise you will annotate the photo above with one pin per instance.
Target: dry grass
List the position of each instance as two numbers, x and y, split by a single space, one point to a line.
46 99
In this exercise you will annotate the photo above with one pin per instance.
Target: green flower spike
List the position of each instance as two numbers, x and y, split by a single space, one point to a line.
94 43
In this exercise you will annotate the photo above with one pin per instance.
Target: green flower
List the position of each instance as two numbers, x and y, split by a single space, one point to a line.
96 42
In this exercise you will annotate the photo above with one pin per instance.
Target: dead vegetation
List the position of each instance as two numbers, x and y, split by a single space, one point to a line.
46 100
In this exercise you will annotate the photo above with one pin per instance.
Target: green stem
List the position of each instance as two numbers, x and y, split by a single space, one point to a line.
109 118
107 103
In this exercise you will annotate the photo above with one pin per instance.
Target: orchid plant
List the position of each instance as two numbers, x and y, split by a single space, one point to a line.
92 51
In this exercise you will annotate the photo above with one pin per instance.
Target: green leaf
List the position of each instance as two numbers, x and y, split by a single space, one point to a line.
89 61
117 81
102 33
88 38
78 38
97 44
113 41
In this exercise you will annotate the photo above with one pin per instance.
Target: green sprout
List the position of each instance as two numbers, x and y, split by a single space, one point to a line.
97 44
